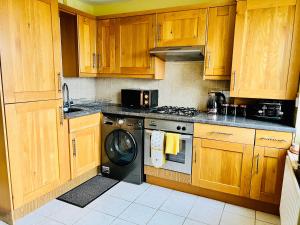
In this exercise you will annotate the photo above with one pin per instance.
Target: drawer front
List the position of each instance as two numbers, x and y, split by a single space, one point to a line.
84 122
224 133
273 139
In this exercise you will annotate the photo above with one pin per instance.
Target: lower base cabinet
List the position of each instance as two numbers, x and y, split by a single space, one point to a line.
248 170
222 166
34 132
84 141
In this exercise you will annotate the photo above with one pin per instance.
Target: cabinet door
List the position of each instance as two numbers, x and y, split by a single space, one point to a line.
34 132
30 50
222 166
219 45
262 49
87 46
182 28
106 46
84 144
267 174
136 37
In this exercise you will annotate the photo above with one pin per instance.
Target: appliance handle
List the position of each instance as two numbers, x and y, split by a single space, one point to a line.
182 136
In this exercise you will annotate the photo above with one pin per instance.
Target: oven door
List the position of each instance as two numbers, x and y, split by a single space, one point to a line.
182 162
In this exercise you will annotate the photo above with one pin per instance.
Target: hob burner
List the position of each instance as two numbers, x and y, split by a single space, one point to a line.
174 110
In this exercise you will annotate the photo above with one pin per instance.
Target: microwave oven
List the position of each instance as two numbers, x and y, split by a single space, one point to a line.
138 98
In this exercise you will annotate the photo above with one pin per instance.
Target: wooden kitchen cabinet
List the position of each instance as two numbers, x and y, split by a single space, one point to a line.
84 141
222 159
136 36
88 57
268 165
34 134
107 46
266 60
182 28
219 46
30 50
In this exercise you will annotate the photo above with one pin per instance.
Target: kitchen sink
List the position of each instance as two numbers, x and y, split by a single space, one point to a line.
73 109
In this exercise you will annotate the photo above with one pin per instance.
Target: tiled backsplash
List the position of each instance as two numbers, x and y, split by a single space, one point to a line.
183 86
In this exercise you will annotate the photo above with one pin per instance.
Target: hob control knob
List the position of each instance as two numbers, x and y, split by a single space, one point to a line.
183 128
178 127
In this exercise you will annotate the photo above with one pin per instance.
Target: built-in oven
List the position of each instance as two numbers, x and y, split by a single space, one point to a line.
182 162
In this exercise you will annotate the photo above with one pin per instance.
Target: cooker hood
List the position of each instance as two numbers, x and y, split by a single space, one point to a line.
180 53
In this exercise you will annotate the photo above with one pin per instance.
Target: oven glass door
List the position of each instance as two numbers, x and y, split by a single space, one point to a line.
182 162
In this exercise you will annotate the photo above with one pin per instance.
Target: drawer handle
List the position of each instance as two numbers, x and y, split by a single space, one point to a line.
221 133
272 139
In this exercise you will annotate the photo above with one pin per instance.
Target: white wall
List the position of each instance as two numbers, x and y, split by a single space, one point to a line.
81 87
183 86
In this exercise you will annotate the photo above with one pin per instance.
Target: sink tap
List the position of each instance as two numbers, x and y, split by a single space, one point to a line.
66 97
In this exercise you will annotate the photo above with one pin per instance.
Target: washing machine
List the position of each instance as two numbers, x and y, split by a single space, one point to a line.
122 148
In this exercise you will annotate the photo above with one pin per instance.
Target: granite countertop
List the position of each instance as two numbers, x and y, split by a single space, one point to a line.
201 118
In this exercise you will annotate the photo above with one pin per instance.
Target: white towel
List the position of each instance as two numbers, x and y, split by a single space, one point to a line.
158 157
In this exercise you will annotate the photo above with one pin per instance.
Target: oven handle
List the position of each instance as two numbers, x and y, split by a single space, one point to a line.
182 136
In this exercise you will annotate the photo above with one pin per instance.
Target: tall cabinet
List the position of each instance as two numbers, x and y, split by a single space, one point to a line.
266 62
31 104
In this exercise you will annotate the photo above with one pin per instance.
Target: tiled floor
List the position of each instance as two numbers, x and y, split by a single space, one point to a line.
129 204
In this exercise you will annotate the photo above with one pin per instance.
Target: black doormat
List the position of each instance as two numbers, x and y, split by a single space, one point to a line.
87 192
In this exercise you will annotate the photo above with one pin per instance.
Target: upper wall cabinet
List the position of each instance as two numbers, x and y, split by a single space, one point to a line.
106 46
219 44
136 37
88 57
30 50
182 28
266 44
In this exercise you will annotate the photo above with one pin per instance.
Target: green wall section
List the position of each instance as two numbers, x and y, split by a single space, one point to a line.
125 6
141 5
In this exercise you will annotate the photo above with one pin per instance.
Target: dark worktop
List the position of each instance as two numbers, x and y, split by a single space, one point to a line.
201 118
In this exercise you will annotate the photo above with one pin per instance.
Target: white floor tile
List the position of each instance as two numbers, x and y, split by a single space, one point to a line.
138 214
2 223
109 205
154 196
239 210
234 219
96 218
179 203
206 214
31 219
164 218
51 208
192 222
204 202
121 222
266 217
128 191
47 221
69 214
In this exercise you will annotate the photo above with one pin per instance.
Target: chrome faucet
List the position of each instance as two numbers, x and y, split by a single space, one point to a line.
66 97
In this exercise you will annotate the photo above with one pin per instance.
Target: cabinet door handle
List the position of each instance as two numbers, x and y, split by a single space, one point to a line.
221 133
257 163
208 60
195 156
159 32
61 113
74 147
59 82
234 76
98 60
94 60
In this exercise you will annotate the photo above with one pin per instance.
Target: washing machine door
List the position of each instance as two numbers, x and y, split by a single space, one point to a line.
120 147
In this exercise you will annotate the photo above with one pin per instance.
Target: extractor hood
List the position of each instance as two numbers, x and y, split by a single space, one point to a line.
180 53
